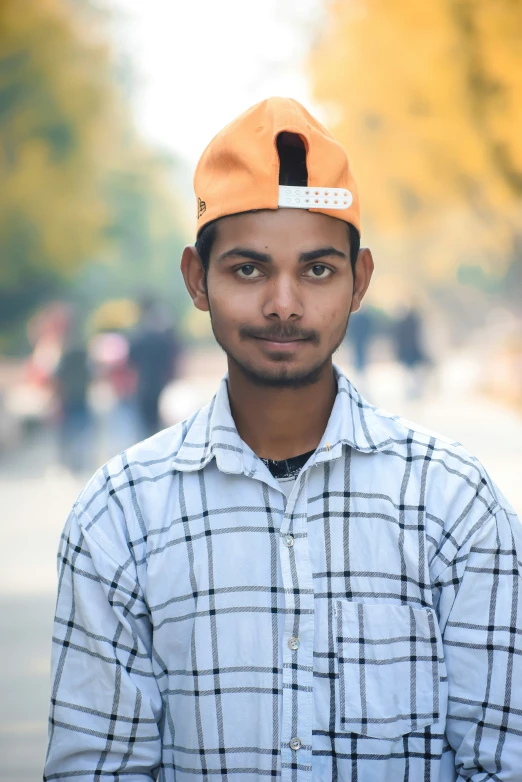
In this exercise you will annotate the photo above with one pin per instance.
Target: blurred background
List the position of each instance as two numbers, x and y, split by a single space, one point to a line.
105 107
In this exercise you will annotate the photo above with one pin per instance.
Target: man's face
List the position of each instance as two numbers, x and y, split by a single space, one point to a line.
279 289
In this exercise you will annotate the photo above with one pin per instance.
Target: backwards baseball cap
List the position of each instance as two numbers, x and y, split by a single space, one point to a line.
241 169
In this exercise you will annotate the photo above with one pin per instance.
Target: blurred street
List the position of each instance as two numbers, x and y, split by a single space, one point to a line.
37 494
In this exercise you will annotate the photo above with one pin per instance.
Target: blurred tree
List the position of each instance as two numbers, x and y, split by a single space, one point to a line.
427 99
144 237
78 187
56 111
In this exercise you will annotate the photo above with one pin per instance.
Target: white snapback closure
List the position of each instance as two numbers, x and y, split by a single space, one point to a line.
314 197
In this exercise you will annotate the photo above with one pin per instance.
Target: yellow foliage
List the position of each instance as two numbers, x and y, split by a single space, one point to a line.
114 315
58 129
427 99
84 203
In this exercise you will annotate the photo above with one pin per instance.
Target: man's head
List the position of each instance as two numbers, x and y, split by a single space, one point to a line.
281 276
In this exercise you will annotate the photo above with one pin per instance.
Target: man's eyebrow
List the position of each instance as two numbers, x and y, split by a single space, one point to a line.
306 257
244 252
321 252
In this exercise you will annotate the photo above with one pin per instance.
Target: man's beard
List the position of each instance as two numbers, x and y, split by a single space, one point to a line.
282 378
279 379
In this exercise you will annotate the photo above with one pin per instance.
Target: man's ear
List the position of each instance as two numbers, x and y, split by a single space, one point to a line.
194 276
363 275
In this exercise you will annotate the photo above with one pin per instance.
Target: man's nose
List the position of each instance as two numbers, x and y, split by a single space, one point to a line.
283 298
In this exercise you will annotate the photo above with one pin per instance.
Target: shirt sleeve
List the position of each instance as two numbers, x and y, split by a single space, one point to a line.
482 641
105 703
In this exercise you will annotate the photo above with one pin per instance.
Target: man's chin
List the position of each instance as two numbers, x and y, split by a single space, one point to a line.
281 375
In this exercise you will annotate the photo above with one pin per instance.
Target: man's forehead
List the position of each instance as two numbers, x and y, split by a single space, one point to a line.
280 228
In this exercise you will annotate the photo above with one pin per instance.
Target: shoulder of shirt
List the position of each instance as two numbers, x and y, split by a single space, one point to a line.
149 461
401 428
451 454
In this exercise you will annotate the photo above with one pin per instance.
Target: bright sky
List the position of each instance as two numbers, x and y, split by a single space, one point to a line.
200 63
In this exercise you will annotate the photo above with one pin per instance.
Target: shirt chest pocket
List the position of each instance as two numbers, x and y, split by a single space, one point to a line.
388 668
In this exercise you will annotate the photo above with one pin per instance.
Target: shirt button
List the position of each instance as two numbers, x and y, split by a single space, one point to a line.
295 743
288 540
293 643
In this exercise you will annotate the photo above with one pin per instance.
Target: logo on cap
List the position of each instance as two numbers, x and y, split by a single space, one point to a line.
202 207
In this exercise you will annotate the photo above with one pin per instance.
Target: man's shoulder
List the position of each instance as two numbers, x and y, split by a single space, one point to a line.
405 433
156 453
449 461
461 502
143 470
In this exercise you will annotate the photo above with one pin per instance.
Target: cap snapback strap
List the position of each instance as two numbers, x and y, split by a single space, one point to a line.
314 197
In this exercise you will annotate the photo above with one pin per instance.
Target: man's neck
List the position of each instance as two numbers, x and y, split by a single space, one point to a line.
279 423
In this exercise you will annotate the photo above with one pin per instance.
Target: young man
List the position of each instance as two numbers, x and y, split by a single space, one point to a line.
291 584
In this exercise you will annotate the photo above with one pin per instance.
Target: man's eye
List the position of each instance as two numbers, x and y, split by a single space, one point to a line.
320 271
247 271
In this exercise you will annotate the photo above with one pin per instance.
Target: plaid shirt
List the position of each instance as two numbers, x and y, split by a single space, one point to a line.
367 629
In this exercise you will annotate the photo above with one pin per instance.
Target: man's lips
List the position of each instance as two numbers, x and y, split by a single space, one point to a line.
281 337
282 343
281 340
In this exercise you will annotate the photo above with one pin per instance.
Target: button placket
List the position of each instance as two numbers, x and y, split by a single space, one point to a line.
297 704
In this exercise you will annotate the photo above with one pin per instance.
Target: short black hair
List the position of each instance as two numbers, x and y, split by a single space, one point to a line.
292 171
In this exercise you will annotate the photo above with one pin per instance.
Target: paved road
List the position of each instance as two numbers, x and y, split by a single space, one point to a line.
36 495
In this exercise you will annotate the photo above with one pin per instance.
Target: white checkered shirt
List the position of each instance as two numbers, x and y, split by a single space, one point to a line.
367 629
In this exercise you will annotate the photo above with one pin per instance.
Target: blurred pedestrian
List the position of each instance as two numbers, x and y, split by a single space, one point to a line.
154 351
409 349
114 392
75 423
361 334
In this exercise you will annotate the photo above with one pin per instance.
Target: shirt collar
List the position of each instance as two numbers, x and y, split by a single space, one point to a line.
211 433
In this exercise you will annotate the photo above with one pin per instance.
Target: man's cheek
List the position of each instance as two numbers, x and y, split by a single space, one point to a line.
330 318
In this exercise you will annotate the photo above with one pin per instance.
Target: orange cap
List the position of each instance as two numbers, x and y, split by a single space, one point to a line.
239 170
